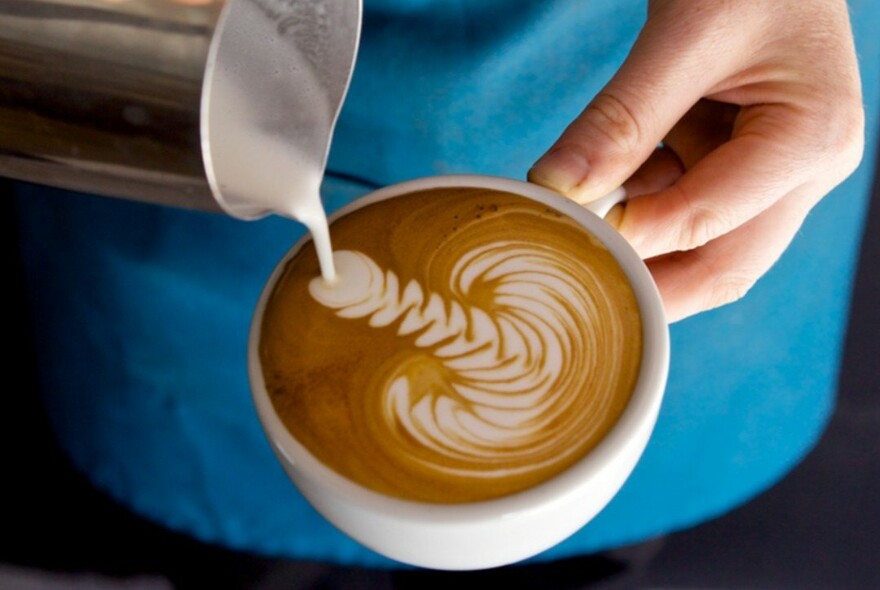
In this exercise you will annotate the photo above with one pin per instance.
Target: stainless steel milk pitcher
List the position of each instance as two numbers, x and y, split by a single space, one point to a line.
121 97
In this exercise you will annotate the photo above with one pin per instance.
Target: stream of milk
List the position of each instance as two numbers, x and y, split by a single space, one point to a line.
272 93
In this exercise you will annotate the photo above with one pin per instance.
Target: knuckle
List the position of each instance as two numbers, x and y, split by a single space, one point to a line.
840 138
729 287
700 224
851 145
727 277
611 117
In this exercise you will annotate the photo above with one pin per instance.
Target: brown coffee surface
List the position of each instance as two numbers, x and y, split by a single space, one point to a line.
479 344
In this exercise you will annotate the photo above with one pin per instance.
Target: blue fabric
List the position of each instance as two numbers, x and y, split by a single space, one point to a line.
142 312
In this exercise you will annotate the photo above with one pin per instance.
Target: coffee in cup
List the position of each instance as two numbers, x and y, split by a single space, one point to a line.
475 344
479 381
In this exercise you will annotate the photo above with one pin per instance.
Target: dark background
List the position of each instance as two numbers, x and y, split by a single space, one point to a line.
819 528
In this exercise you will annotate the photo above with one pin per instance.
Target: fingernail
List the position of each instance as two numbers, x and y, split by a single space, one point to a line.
562 170
614 216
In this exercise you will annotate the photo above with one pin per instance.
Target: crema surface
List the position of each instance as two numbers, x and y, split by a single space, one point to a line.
476 344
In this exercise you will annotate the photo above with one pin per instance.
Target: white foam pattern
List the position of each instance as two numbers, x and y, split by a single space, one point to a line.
522 375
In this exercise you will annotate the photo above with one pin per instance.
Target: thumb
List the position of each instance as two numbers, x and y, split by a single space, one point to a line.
661 79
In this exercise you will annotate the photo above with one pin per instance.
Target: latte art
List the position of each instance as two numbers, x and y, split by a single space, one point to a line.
522 376
482 345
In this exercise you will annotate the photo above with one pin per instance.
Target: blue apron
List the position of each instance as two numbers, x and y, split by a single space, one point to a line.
141 312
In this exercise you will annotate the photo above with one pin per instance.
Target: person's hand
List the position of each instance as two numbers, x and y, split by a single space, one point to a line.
758 107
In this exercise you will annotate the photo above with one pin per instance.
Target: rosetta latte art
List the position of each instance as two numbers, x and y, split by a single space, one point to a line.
524 368
475 344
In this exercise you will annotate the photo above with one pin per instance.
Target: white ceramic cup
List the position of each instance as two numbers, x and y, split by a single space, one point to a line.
504 530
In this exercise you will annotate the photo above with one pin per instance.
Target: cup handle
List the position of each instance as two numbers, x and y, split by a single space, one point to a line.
602 206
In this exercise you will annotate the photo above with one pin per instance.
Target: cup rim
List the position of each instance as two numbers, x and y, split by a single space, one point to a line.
640 411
